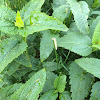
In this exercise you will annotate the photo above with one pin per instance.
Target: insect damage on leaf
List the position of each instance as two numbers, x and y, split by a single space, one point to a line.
19 22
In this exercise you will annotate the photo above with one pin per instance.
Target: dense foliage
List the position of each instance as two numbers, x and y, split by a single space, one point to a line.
49 49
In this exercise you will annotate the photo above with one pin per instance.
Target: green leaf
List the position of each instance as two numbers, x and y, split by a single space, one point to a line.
65 96
51 66
58 3
50 95
38 22
91 65
80 11
12 67
32 88
93 26
50 77
46 45
60 83
76 42
19 22
24 60
96 35
95 91
6 92
61 12
80 82
31 6
9 50
7 19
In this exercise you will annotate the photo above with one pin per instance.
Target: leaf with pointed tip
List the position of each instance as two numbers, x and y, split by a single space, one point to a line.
40 21
80 82
95 91
46 45
32 88
9 50
60 83
76 42
31 6
91 65
6 92
7 19
80 11
96 35
50 77
50 95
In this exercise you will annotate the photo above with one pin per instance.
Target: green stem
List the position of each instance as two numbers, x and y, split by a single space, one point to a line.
66 57
69 18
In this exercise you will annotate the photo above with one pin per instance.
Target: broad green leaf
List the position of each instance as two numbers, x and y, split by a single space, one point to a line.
46 45
76 42
51 66
9 50
7 19
61 12
93 26
12 67
96 35
40 21
50 77
59 83
19 22
95 12
32 88
80 82
31 6
65 96
80 11
58 3
50 95
91 65
24 60
1 2
6 92
95 91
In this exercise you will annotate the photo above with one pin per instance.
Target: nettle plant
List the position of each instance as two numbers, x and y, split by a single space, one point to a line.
50 57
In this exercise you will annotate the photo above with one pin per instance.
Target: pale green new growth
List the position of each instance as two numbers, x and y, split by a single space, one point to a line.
59 83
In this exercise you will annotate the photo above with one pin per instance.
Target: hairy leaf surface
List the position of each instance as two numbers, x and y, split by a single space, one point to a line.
80 82
91 65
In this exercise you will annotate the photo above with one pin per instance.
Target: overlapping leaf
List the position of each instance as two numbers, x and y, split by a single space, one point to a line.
32 88
9 50
91 65
76 42
6 92
50 95
95 91
80 82
80 11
